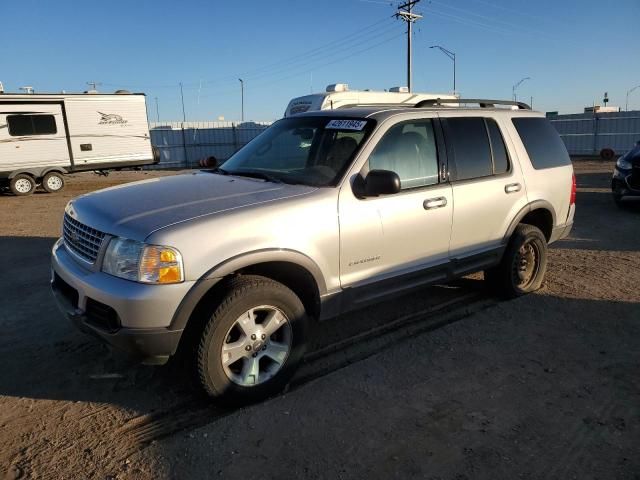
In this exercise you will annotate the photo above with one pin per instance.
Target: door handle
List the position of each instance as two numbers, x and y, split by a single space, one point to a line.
432 203
512 188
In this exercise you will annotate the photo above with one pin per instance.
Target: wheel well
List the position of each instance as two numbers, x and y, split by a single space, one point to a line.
37 173
21 172
57 170
541 218
293 276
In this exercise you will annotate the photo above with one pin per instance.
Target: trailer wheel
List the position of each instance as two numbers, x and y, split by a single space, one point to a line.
52 182
22 185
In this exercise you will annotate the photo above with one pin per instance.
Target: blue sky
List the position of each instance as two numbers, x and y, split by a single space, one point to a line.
573 50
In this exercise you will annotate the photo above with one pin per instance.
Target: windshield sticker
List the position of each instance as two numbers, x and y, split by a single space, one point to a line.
347 124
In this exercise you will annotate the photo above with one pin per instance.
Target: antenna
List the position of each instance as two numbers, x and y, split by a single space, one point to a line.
94 85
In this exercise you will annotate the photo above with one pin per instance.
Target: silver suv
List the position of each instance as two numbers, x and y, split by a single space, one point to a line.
321 214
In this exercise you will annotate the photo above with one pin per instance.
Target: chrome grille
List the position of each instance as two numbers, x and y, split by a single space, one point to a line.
82 240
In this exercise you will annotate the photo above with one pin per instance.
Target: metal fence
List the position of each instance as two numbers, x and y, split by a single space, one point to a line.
183 144
589 133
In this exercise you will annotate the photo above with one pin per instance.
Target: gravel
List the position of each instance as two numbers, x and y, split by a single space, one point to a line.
545 386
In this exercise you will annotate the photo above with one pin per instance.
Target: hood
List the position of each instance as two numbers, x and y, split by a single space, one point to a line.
135 210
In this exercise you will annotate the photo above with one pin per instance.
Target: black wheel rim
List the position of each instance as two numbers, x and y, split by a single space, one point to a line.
526 265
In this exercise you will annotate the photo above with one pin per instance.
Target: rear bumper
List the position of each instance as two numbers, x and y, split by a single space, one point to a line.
131 317
561 231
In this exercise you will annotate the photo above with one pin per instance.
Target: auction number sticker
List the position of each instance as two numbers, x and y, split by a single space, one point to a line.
346 124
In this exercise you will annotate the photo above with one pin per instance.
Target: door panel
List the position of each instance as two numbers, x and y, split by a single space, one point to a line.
391 235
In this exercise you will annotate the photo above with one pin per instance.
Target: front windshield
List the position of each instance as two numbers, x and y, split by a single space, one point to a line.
312 151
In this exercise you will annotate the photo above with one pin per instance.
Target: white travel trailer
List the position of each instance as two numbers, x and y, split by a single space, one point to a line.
44 136
338 95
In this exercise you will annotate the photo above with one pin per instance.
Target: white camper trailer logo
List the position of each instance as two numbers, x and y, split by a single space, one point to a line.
111 119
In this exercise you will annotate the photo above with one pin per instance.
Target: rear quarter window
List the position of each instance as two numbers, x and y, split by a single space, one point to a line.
542 142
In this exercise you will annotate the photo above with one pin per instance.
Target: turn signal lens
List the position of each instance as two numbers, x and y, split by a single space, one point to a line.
161 265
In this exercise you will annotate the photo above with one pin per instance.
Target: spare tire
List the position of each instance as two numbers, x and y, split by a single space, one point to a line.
607 154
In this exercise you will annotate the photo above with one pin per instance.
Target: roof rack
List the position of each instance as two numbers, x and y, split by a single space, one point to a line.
373 105
483 103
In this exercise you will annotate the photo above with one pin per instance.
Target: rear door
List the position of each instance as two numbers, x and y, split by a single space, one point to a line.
488 186
32 135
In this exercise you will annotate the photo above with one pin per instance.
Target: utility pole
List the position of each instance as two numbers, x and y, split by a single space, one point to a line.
241 100
405 14
157 111
184 137
184 115
629 92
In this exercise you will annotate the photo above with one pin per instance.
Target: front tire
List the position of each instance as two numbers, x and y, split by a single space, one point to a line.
253 341
53 182
523 265
22 185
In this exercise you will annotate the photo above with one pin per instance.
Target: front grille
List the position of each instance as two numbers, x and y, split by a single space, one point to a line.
82 240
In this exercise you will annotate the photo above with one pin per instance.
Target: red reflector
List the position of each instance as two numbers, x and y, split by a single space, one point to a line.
572 201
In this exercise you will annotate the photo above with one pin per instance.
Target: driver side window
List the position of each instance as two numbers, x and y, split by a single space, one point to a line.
408 149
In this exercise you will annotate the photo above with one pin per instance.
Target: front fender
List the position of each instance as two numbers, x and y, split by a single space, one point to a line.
231 265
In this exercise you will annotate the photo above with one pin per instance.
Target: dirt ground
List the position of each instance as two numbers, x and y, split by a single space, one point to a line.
542 387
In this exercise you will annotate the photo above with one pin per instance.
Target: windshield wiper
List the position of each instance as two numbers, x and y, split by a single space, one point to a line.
256 174
218 170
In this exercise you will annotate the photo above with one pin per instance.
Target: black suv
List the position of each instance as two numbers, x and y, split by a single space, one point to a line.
626 176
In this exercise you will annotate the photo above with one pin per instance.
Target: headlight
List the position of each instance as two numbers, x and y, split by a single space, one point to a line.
623 164
143 263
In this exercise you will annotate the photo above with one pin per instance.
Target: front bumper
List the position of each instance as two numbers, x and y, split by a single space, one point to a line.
626 183
130 316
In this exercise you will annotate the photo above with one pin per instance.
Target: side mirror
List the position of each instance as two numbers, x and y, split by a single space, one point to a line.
381 182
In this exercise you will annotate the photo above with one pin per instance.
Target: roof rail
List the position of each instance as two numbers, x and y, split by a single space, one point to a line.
372 105
483 103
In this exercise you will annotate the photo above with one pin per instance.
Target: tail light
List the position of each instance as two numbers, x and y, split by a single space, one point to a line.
572 200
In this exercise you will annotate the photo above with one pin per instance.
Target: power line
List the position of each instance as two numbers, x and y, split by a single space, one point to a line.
364 32
330 54
306 57
470 22
487 19
306 71
511 10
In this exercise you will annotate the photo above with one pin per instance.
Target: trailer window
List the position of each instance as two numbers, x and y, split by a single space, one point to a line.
23 125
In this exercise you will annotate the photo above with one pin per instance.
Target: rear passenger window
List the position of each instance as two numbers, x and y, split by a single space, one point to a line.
500 157
542 142
409 149
471 152
21 125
